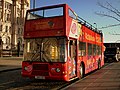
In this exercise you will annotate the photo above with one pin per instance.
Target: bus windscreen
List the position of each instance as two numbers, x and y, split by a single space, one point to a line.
45 50
44 13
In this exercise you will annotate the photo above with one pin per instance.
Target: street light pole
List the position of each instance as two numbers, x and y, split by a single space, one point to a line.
96 25
33 4
13 27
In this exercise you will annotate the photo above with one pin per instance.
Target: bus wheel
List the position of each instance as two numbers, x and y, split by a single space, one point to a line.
99 64
81 71
116 58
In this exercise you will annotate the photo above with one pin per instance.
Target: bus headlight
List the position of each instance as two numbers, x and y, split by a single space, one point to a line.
28 68
58 70
25 68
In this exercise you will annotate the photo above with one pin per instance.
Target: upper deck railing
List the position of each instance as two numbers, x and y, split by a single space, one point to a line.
87 24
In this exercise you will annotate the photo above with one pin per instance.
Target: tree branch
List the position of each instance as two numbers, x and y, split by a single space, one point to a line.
102 14
111 9
117 12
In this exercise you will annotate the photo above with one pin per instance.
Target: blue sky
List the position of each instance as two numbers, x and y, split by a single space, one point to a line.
86 9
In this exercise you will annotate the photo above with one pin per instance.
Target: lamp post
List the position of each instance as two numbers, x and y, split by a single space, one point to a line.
34 4
96 25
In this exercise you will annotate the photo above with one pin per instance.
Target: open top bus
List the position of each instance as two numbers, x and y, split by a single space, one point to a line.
59 45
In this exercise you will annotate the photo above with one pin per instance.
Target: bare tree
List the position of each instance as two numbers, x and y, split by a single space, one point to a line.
111 12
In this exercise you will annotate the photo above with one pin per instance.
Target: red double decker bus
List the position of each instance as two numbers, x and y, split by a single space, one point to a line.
59 45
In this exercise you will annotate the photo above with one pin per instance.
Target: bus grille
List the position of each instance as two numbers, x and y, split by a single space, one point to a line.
40 67
40 73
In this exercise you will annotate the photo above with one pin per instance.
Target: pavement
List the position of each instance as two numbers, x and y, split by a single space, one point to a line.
107 78
10 63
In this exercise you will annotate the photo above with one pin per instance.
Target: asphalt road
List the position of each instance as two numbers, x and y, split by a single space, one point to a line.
12 80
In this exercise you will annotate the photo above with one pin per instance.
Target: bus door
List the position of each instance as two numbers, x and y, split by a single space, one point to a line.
72 58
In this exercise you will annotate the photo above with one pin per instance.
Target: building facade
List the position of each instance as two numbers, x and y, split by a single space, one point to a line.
112 45
12 15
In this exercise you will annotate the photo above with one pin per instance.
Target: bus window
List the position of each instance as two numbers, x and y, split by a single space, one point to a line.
94 50
35 15
98 50
72 49
28 47
82 48
89 49
71 14
44 13
53 12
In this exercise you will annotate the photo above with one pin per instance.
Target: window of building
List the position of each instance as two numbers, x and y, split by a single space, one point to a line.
18 10
5 4
10 31
8 40
0 27
19 32
18 20
0 15
7 17
6 29
9 6
0 3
